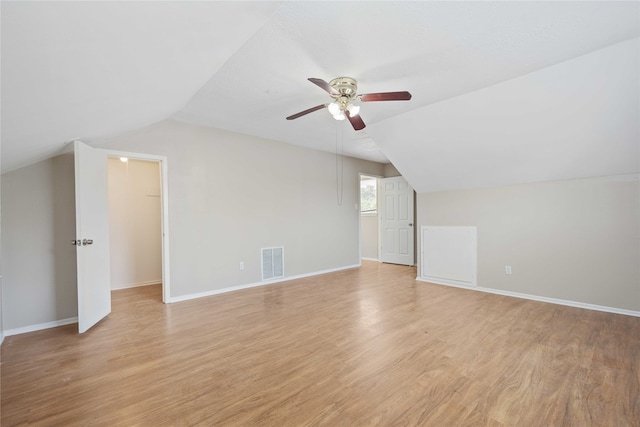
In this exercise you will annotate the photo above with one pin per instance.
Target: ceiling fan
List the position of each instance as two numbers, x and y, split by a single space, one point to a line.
344 91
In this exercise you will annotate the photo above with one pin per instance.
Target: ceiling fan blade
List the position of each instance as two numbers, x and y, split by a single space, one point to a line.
305 112
356 121
323 85
385 96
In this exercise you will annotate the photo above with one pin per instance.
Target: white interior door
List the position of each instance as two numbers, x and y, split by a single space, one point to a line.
92 235
397 230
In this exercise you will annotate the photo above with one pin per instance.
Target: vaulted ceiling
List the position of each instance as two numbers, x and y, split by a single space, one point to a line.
92 70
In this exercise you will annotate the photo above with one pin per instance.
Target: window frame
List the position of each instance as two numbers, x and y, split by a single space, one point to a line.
364 177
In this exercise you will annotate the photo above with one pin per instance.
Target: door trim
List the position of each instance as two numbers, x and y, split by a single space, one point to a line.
164 184
359 207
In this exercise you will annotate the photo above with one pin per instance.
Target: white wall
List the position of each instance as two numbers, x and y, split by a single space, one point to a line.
39 262
575 240
135 232
229 196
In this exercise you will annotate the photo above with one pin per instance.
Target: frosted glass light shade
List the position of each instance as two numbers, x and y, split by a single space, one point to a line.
334 108
353 109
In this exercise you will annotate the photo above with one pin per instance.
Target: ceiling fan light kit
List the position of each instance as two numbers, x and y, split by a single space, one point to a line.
334 108
339 116
353 110
344 92
345 89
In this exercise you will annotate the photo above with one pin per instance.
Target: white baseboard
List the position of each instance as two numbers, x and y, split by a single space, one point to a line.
538 298
449 282
370 259
254 285
136 285
40 326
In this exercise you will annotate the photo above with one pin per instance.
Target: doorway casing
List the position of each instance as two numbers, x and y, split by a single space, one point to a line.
164 207
362 176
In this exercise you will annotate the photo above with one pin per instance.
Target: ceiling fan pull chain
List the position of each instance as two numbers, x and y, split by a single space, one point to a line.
340 158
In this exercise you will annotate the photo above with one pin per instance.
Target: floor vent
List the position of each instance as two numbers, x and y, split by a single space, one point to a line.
272 263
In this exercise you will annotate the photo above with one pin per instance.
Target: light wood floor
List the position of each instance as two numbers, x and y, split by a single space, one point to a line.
362 347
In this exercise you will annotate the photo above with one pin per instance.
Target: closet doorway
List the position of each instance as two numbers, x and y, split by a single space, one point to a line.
135 222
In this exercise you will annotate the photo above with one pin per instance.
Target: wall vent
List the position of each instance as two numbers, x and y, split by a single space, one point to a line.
272 263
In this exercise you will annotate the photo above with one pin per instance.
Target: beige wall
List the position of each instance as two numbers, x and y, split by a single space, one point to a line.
369 236
575 240
39 262
390 170
231 195
134 223
1 270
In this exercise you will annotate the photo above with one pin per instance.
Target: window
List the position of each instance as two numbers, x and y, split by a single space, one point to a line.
368 195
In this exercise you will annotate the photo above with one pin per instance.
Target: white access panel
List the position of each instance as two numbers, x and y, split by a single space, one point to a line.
449 255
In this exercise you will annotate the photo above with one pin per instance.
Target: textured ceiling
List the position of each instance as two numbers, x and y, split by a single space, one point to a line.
577 119
90 70
93 70
435 50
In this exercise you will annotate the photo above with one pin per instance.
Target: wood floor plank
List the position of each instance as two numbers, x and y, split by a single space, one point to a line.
367 346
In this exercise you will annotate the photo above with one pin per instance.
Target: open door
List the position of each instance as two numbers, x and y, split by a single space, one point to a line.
397 231
92 235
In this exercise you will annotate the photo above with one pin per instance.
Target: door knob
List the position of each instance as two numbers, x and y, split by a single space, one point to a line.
76 242
87 242
410 225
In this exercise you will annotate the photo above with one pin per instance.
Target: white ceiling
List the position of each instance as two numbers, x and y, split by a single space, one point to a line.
577 119
91 70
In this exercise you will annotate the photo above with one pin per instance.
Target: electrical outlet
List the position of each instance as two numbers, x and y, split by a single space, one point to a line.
507 269
241 265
